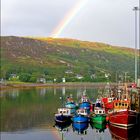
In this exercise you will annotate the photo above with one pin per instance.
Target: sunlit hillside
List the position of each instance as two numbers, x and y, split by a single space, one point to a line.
57 58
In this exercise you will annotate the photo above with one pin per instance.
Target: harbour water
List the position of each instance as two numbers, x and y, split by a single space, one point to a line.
28 114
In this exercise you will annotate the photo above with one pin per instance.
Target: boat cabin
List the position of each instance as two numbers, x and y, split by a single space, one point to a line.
107 99
99 111
84 99
121 104
82 112
64 111
110 99
98 103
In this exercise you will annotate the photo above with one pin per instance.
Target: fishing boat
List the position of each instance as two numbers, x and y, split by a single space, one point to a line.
99 116
62 126
80 128
108 103
98 103
123 117
85 103
70 103
123 134
99 127
63 116
81 116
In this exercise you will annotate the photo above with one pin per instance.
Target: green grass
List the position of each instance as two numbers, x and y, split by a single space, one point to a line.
58 55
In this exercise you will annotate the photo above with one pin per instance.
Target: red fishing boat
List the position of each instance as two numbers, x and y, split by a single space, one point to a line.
108 102
123 134
122 117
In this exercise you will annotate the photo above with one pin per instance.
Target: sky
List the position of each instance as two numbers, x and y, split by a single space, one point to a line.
107 21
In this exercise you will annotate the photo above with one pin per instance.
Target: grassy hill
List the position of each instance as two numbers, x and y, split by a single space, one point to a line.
56 58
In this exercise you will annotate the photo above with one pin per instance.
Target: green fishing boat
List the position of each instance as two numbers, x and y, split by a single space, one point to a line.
98 119
99 127
99 116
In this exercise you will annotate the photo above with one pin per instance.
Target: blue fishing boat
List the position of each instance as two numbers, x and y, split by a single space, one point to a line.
80 128
63 116
81 116
85 103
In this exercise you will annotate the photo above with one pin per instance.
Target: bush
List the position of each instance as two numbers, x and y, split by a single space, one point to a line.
25 77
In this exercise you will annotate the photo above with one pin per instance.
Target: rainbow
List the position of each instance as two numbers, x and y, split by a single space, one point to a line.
68 17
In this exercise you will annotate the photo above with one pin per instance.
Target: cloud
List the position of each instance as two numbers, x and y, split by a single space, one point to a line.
109 21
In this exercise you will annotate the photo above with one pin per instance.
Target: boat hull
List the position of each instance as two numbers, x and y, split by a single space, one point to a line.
62 119
98 119
80 119
62 126
123 134
80 127
123 119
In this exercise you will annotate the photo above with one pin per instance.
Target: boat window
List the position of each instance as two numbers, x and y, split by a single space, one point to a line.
100 111
125 104
122 104
116 104
60 111
119 104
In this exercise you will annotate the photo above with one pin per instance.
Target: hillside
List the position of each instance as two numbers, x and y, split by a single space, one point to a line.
57 58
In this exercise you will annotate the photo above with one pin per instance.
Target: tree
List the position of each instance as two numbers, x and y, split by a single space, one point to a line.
24 77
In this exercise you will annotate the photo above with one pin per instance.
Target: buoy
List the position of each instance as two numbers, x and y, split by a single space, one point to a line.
107 118
91 108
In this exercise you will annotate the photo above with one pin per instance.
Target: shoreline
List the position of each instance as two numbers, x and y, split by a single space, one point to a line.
51 85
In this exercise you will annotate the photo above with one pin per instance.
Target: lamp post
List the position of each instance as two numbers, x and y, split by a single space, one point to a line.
139 47
136 61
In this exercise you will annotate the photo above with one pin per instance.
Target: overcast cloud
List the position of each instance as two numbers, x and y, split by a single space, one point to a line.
108 21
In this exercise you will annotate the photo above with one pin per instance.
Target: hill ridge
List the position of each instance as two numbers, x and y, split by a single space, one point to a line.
56 56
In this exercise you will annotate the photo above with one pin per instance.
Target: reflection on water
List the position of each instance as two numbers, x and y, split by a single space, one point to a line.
29 114
42 91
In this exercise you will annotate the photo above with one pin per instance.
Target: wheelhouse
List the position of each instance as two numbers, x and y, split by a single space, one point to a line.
64 111
82 112
121 104
99 111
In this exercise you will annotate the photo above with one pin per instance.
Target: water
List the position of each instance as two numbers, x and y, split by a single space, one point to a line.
28 114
